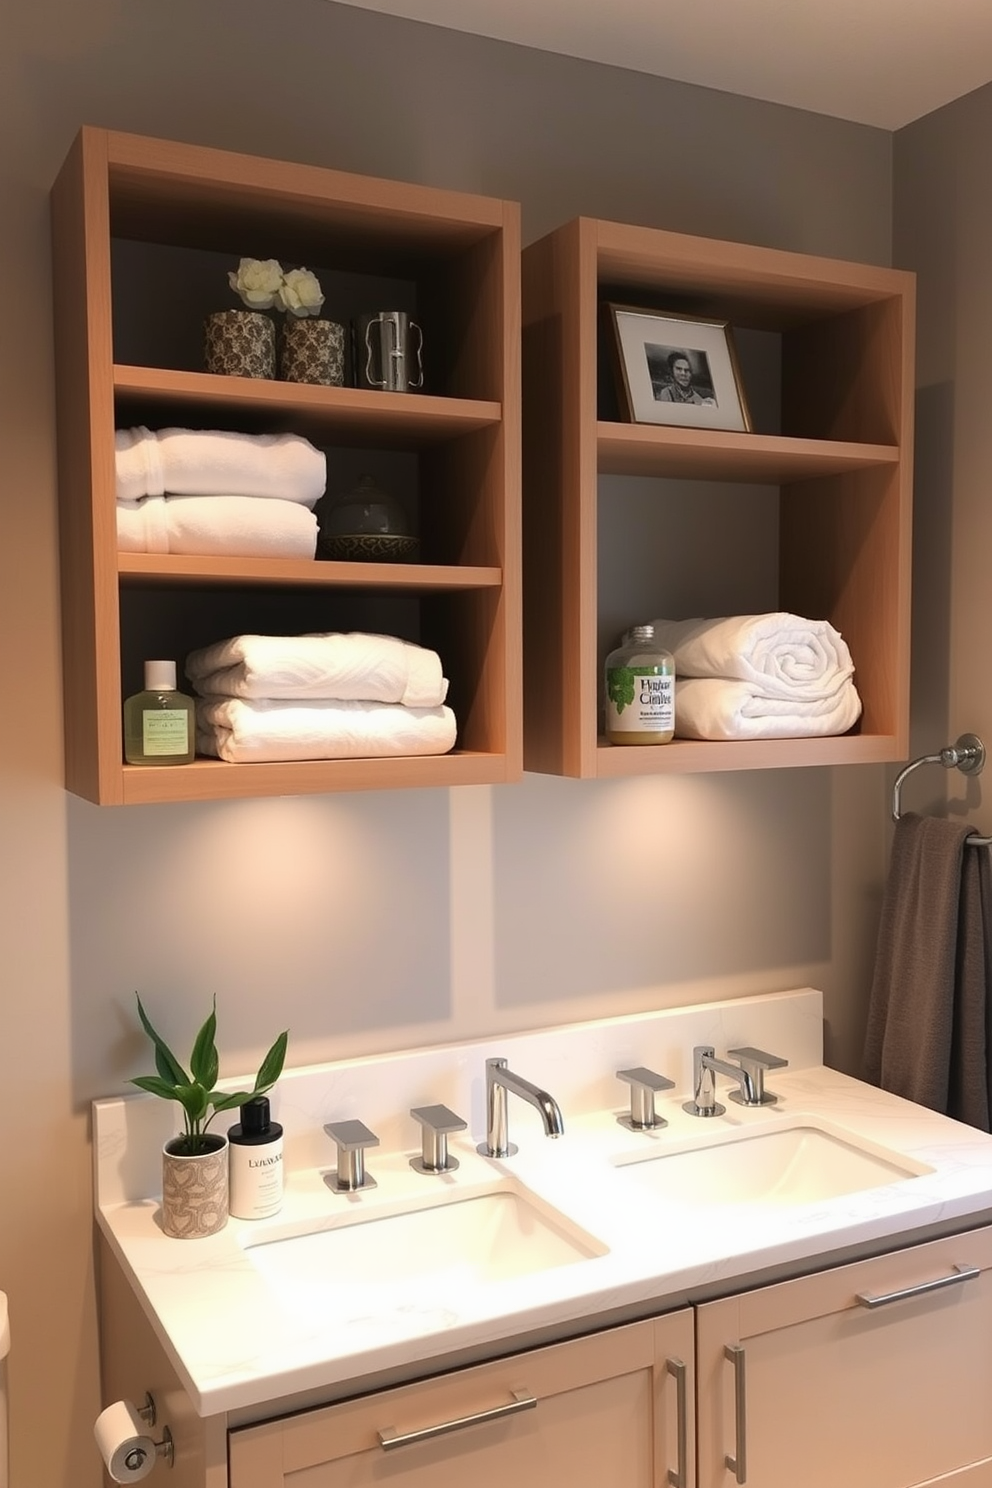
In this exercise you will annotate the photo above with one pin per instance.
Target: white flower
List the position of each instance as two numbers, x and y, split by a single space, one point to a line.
299 293
258 282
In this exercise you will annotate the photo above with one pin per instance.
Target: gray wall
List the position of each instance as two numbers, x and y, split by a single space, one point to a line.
943 230
382 920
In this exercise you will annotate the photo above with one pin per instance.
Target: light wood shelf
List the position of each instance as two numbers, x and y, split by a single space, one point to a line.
364 415
839 452
168 569
124 207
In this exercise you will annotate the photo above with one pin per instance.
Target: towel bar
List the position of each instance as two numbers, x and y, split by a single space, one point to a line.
967 755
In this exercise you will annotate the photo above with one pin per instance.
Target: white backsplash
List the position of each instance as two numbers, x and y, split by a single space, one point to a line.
576 1063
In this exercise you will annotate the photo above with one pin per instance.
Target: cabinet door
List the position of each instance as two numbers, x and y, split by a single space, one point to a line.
597 1412
873 1375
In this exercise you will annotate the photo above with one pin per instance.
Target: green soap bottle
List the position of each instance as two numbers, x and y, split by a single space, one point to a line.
159 723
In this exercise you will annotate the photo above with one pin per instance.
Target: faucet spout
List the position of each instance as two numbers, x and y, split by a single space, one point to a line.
705 1066
501 1081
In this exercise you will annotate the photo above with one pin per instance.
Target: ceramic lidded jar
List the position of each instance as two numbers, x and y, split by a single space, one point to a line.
366 523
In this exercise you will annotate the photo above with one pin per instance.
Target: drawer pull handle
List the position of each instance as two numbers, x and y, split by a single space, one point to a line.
390 1438
677 1478
960 1273
738 1463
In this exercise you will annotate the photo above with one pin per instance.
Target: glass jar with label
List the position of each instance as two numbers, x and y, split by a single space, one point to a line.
640 690
160 723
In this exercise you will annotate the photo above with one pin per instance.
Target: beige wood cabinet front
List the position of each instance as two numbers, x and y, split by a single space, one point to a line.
873 1375
613 1408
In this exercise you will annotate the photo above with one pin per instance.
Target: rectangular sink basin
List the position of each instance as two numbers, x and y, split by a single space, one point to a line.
416 1259
802 1161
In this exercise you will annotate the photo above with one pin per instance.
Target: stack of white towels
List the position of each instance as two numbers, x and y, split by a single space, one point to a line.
211 491
771 676
327 695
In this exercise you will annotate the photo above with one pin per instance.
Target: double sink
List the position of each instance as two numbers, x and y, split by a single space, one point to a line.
614 1220
373 1258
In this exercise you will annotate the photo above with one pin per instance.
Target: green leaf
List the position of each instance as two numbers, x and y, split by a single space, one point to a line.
155 1086
195 1093
228 1102
203 1061
272 1064
166 1062
195 1102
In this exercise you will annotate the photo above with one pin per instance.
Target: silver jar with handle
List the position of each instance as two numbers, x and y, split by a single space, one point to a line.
389 347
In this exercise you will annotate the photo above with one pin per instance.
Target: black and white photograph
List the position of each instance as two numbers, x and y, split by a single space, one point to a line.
677 370
679 376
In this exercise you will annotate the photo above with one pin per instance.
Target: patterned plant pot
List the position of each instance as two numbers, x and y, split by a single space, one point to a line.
194 1189
312 351
240 343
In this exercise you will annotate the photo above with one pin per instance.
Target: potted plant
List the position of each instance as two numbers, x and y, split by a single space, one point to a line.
242 343
194 1164
310 349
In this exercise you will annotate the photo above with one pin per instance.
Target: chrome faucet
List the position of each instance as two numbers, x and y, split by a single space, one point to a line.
499 1081
749 1074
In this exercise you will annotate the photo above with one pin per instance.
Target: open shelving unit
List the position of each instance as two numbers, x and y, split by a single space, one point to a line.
140 227
838 447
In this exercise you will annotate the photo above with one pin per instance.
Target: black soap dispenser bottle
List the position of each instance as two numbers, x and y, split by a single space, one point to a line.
256 1174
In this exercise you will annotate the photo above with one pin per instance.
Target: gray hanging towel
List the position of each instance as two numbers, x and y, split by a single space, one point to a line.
928 1017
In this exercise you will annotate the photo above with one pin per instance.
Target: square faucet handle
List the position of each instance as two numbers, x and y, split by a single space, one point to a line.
753 1063
644 1085
352 1138
437 1123
757 1058
438 1118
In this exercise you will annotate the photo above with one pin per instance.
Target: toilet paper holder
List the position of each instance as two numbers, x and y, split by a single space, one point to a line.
129 1459
166 1447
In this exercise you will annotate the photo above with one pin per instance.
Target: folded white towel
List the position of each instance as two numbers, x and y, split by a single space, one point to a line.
713 708
372 668
212 462
246 526
783 654
243 731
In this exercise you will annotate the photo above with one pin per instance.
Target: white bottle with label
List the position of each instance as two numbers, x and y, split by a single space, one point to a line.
159 723
255 1162
640 690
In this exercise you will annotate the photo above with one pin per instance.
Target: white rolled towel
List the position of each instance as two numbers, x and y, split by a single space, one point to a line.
785 655
218 462
713 708
245 731
352 665
242 526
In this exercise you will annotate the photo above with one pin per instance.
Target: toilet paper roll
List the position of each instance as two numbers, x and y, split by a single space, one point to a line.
126 1448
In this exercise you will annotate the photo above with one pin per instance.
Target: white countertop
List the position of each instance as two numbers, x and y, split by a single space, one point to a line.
238 1341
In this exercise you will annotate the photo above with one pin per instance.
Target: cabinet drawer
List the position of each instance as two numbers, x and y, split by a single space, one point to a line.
605 1410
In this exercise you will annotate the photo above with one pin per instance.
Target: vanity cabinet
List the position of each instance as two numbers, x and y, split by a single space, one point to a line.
808 512
806 1383
612 1408
874 1374
144 235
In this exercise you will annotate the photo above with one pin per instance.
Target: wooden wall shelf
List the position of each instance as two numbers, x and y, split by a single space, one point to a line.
127 210
838 448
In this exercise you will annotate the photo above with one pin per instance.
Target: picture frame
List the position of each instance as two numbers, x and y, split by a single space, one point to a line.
677 369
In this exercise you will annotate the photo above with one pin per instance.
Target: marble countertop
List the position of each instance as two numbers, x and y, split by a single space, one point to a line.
239 1341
